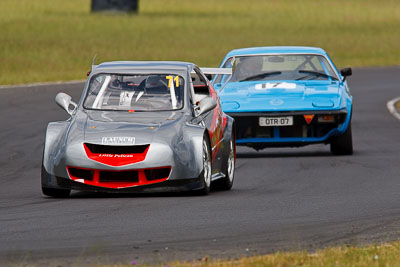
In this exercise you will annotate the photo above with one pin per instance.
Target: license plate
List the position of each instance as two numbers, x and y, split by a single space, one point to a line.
276 121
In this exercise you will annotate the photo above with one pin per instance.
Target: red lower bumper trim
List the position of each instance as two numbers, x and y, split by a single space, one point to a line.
119 179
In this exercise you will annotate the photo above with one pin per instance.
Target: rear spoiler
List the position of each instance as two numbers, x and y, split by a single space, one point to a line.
206 71
209 72
214 71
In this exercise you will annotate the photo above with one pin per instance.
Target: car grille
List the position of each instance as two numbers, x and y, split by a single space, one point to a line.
155 174
247 126
81 173
125 176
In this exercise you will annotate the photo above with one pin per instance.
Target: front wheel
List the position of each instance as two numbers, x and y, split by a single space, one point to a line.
53 192
343 144
227 182
205 176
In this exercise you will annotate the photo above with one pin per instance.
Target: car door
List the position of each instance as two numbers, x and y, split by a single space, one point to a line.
214 120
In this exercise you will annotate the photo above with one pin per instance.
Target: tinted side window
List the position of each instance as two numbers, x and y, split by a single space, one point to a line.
200 86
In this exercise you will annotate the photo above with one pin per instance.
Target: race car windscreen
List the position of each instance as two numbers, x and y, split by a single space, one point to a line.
280 67
139 92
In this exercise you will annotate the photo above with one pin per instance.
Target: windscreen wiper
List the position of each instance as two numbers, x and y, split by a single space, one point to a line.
315 73
260 76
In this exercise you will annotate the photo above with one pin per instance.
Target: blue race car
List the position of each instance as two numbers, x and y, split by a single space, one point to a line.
286 96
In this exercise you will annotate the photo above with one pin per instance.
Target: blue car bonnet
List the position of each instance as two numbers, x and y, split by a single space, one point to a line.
258 96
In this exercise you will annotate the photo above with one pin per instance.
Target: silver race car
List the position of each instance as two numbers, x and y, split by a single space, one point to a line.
140 126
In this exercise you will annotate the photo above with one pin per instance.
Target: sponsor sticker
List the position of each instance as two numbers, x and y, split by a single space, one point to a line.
118 140
116 156
283 85
125 98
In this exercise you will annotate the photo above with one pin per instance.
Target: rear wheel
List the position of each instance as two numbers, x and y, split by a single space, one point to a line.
53 192
227 182
205 176
343 144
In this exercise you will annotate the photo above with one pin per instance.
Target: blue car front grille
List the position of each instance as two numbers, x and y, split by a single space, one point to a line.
247 126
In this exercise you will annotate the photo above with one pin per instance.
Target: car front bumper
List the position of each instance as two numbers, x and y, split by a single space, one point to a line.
301 133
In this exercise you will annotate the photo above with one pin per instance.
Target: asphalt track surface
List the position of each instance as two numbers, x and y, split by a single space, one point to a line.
282 199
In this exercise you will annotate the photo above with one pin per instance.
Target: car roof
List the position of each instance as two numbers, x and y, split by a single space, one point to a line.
276 50
134 66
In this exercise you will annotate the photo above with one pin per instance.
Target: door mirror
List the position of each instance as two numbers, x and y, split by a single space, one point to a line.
205 105
346 72
65 101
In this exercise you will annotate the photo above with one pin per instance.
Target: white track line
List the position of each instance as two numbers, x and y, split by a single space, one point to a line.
391 105
40 84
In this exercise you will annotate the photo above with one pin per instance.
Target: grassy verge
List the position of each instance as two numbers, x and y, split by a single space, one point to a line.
382 255
50 40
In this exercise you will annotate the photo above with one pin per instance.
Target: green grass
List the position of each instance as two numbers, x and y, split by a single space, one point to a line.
383 255
49 40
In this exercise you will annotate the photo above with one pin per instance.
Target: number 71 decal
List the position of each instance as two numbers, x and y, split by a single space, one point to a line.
172 78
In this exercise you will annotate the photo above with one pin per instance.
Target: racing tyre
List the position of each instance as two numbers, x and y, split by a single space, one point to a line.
53 192
205 176
343 144
227 182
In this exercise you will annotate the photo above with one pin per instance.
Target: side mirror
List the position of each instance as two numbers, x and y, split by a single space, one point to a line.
205 105
65 101
346 72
